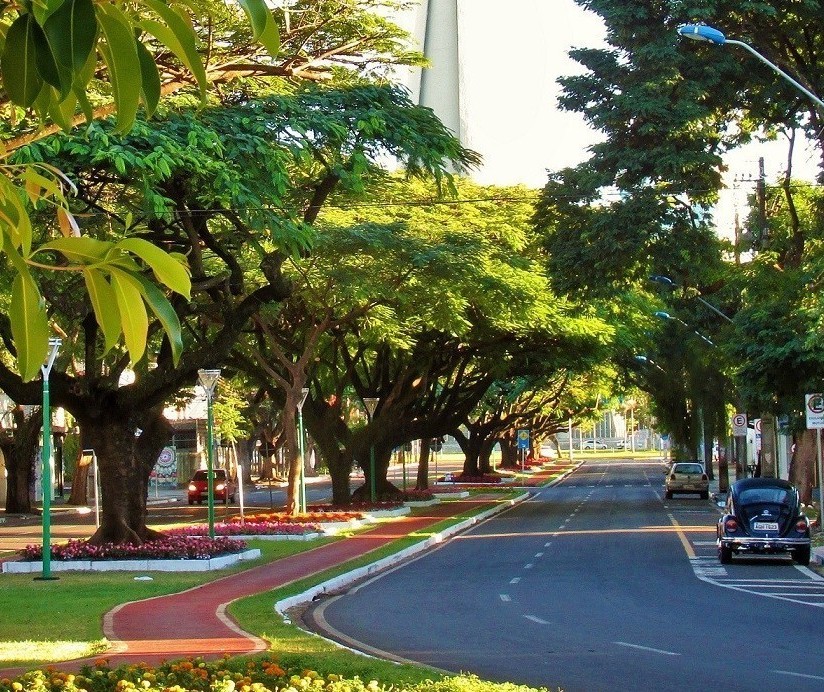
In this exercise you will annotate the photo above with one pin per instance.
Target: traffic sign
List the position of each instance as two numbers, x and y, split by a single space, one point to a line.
814 410
739 425
523 439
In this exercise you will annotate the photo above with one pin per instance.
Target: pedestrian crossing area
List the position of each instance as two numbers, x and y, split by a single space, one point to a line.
794 583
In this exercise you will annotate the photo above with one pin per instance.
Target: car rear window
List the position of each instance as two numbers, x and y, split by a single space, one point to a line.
688 468
770 495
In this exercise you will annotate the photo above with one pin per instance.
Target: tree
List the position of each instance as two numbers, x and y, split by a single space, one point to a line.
235 189
669 110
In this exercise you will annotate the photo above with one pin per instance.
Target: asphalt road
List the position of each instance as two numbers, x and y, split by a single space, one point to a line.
598 583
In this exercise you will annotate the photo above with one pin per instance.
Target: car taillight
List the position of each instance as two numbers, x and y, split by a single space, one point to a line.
731 525
192 487
801 526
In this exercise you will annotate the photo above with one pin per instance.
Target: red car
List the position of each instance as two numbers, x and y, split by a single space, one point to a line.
224 487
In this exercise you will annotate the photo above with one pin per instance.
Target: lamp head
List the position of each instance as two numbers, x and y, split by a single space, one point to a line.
663 315
303 393
208 380
665 280
371 403
702 32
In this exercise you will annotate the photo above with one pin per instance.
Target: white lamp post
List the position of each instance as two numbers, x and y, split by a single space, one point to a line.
302 499
371 403
45 369
208 380
702 32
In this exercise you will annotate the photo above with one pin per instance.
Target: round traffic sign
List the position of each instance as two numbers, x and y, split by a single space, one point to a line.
816 403
739 420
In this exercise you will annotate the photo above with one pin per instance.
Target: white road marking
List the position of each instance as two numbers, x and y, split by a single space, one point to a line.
547 544
515 580
647 648
815 576
798 675
539 554
536 619
528 565
505 598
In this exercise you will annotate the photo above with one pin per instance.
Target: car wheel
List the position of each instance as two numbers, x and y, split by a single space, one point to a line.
724 554
802 555
669 494
191 502
705 495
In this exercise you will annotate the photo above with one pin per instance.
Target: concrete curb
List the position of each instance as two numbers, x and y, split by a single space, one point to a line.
349 577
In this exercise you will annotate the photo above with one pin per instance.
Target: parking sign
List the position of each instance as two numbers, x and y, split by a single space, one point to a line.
814 411
739 425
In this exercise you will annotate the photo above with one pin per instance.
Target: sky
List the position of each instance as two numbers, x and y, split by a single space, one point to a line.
511 96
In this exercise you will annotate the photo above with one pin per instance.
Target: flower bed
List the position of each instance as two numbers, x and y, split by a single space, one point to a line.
250 527
227 675
487 478
167 548
312 517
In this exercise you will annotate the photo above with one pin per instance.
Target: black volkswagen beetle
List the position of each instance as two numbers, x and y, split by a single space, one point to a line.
763 516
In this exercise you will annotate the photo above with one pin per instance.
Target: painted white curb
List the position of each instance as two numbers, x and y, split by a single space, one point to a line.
342 580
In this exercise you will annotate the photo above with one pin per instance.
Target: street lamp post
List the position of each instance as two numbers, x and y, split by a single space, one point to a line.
371 403
45 369
208 380
708 34
302 500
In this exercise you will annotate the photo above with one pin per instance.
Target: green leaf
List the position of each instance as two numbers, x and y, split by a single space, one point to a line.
179 36
264 27
29 326
104 304
83 250
71 31
150 82
168 270
164 312
19 62
46 63
120 54
133 318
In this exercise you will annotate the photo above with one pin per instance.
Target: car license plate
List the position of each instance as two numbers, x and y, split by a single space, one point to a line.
766 526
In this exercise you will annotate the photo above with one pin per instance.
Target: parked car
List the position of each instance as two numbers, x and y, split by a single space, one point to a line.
594 444
224 488
763 516
687 477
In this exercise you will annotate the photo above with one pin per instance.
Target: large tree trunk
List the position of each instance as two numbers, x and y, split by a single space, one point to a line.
80 483
422 477
21 458
125 459
802 464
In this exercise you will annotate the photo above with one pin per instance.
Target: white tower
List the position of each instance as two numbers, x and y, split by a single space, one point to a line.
492 80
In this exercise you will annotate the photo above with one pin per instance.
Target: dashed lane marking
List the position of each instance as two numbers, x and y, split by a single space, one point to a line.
536 619
647 648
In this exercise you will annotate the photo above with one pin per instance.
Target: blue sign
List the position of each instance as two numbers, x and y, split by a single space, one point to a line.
523 439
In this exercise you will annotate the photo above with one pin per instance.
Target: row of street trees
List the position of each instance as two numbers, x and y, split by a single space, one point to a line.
266 236
642 205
